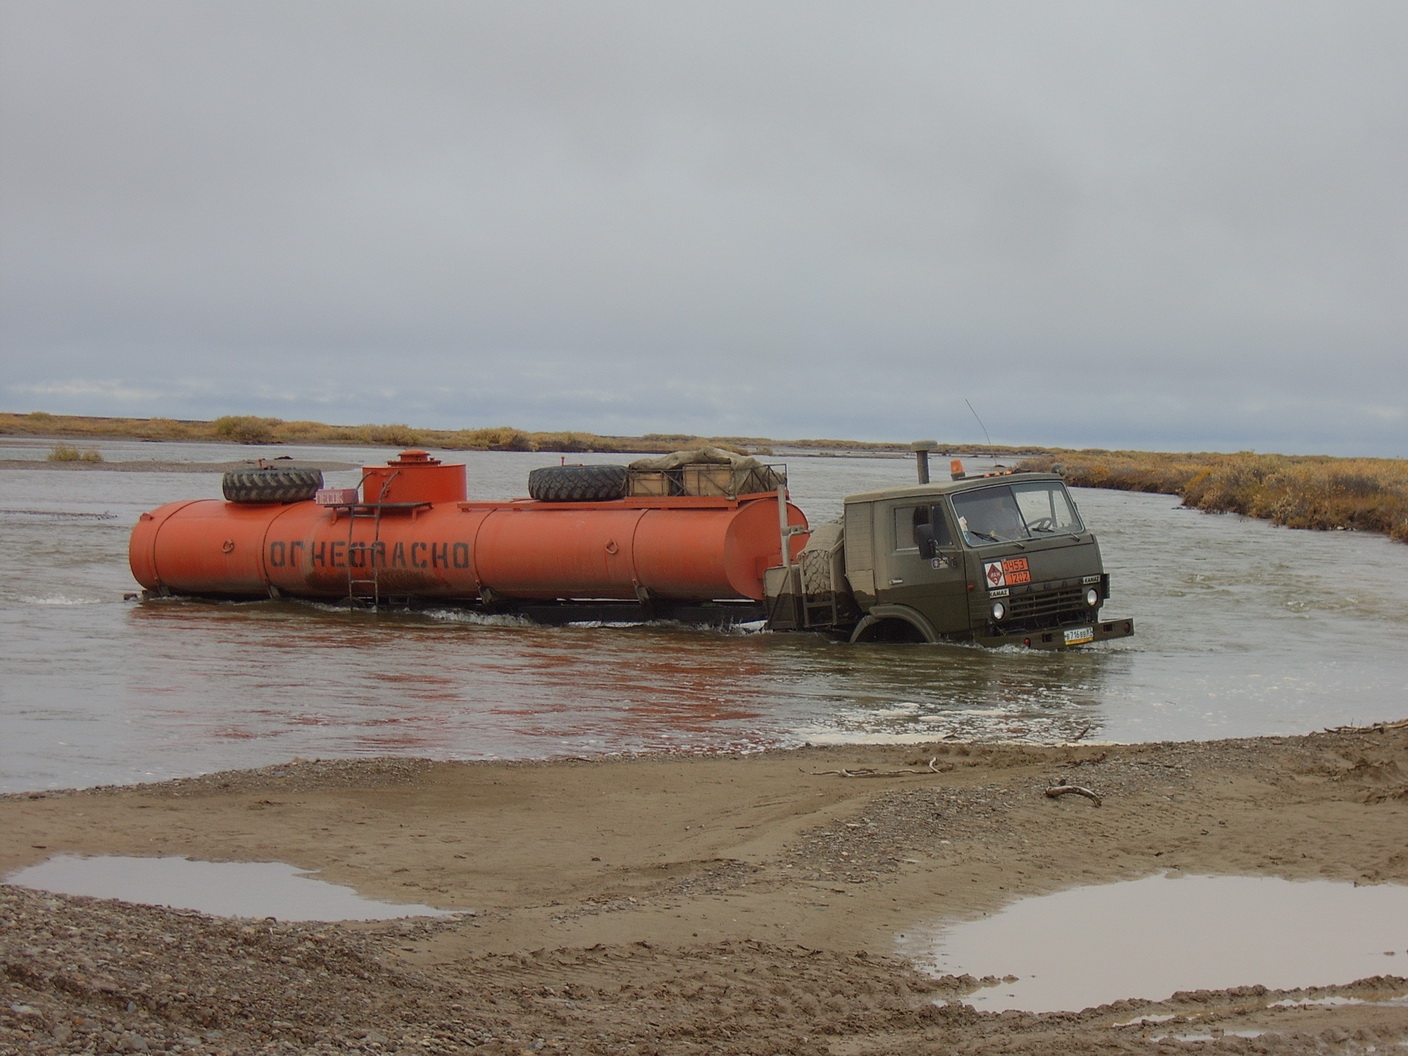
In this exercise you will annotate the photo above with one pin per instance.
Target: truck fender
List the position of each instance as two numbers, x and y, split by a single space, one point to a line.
904 625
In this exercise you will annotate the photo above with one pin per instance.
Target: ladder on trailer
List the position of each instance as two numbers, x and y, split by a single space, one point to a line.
368 582
365 560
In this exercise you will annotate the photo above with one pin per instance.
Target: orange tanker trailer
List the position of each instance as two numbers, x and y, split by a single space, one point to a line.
997 559
694 541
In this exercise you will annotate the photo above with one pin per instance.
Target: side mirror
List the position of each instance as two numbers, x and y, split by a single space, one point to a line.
924 536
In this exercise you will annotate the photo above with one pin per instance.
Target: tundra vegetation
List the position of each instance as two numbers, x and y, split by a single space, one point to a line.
1297 491
62 452
253 429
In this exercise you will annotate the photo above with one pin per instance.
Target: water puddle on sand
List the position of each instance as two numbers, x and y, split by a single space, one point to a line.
226 889
1150 938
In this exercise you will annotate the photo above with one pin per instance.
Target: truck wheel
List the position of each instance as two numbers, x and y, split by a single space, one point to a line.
271 484
889 629
577 483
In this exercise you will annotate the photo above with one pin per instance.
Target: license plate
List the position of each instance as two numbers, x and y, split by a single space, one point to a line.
1079 635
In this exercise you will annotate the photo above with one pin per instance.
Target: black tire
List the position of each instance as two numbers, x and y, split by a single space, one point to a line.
577 483
271 484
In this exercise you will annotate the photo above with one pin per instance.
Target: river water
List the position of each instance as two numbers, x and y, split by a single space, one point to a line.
1243 629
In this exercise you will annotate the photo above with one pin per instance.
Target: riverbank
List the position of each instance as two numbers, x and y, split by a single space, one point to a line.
729 904
1295 491
252 430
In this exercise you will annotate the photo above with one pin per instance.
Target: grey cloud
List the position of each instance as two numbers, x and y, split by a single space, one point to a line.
1158 225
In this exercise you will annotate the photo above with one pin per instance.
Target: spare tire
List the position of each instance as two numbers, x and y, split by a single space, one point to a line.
577 483
271 484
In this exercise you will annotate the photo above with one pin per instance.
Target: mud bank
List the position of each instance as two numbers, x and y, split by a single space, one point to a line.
719 904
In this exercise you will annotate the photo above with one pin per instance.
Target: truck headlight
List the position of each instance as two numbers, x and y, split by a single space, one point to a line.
999 611
1092 597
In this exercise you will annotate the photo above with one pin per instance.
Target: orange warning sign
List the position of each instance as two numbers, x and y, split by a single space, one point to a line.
1007 572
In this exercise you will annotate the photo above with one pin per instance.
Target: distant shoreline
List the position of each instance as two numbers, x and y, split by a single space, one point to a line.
156 466
256 431
1295 491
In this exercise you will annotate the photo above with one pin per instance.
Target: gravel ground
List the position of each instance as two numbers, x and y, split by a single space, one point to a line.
692 906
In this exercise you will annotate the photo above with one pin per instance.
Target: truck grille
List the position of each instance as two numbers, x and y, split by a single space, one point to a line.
1047 608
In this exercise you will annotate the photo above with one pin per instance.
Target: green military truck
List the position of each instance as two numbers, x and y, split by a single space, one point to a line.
997 559
701 536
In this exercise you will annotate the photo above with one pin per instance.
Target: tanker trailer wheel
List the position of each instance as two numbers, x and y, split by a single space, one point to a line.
577 483
271 484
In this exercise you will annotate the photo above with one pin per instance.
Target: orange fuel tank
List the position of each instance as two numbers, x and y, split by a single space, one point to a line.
408 546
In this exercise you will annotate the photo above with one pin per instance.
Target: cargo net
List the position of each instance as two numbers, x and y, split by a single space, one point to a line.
703 471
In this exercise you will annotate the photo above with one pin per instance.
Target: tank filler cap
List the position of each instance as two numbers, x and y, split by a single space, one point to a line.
413 457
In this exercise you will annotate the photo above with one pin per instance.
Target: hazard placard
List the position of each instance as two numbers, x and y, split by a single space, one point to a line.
994 574
1004 573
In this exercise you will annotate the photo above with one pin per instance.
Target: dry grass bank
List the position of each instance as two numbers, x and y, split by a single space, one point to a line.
1297 491
252 429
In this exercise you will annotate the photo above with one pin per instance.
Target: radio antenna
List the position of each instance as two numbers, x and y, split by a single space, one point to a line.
981 426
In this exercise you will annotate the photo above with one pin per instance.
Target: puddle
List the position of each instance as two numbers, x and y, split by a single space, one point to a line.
1149 938
227 889
1334 999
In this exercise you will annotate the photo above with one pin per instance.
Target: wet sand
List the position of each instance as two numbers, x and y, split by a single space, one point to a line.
711 904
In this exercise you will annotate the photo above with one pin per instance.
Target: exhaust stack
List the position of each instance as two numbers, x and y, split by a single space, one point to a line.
921 449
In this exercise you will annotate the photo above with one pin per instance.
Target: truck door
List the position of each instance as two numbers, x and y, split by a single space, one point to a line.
924 563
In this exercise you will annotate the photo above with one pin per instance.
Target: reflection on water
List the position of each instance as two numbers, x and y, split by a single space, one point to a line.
405 682
1149 938
227 889
1243 629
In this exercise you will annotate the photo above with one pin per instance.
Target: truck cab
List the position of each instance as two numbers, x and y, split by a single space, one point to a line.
998 559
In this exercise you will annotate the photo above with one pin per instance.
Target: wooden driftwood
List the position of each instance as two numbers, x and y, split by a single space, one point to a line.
871 772
1072 790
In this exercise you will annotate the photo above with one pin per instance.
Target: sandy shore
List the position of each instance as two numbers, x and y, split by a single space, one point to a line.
684 905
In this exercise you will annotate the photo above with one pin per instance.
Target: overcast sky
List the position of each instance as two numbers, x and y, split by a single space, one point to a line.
1160 225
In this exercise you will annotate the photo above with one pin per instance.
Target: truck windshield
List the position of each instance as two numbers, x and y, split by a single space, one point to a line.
1005 512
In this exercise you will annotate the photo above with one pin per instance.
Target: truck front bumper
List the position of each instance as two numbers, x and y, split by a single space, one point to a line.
1068 637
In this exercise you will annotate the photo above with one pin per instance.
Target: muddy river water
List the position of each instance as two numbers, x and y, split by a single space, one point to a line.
1243 629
